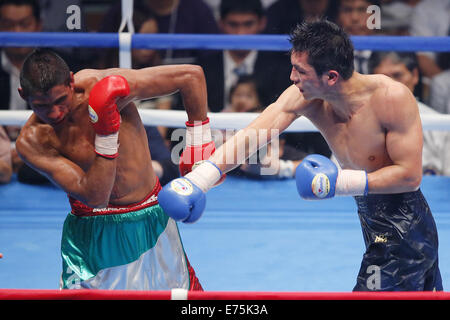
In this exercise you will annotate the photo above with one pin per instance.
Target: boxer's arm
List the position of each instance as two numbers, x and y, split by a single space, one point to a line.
92 187
404 142
151 82
268 125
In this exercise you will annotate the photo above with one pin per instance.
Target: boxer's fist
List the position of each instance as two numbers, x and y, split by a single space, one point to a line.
182 200
195 154
104 115
316 177
199 147
103 110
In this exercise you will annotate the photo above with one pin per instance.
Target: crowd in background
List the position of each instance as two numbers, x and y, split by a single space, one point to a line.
237 80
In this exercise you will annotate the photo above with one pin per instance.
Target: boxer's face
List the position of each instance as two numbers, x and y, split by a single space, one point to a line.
52 106
304 76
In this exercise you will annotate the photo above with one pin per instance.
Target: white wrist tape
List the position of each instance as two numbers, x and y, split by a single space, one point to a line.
286 169
205 175
352 183
107 144
198 134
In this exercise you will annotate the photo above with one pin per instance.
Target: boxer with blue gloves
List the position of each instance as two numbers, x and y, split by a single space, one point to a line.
319 178
373 127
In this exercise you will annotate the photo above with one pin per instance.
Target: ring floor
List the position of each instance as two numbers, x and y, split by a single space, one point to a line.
254 236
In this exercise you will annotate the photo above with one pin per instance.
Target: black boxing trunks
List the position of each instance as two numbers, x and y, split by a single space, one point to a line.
401 244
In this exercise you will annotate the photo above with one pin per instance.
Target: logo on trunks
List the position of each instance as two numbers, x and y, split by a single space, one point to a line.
381 239
320 185
92 115
182 186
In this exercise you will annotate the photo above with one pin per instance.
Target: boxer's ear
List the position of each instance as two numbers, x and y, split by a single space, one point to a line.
332 77
22 93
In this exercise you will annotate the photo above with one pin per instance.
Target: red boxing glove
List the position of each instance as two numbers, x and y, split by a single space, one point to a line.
199 146
104 115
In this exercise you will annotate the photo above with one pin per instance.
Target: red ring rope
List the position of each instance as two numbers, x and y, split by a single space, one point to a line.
84 294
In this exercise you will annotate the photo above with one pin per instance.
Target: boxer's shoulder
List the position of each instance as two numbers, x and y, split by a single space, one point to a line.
36 138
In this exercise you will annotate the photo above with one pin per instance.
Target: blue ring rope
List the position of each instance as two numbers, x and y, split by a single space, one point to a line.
210 41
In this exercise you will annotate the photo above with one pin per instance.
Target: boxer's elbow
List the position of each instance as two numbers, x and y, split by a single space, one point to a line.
96 200
97 203
192 75
412 181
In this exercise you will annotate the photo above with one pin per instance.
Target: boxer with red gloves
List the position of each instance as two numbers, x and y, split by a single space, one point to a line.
115 223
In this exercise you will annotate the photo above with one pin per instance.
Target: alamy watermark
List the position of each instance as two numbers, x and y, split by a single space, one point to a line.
73 21
259 148
374 20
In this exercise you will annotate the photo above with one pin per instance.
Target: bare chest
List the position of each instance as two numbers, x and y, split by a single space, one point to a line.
77 145
359 143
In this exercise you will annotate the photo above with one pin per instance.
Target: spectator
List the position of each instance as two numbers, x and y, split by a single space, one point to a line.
275 160
283 15
5 157
17 16
440 92
222 68
352 16
54 14
431 18
173 16
144 21
215 6
403 67
396 16
54 18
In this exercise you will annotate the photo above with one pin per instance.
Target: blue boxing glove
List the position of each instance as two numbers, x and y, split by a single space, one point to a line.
184 199
319 178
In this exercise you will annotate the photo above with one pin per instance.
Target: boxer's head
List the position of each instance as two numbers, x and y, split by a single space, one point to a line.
321 54
47 85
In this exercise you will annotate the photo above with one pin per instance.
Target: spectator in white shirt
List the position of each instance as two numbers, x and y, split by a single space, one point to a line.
430 18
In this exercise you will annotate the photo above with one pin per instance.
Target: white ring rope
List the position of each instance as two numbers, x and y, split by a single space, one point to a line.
226 120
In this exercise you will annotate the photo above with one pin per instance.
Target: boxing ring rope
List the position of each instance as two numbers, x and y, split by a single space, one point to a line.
228 120
173 118
210 41
181 294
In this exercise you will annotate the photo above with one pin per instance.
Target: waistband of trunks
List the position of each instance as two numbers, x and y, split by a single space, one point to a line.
80 209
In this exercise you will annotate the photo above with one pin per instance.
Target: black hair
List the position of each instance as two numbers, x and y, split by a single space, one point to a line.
409 59
34 4
241 6
42 70
328 47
